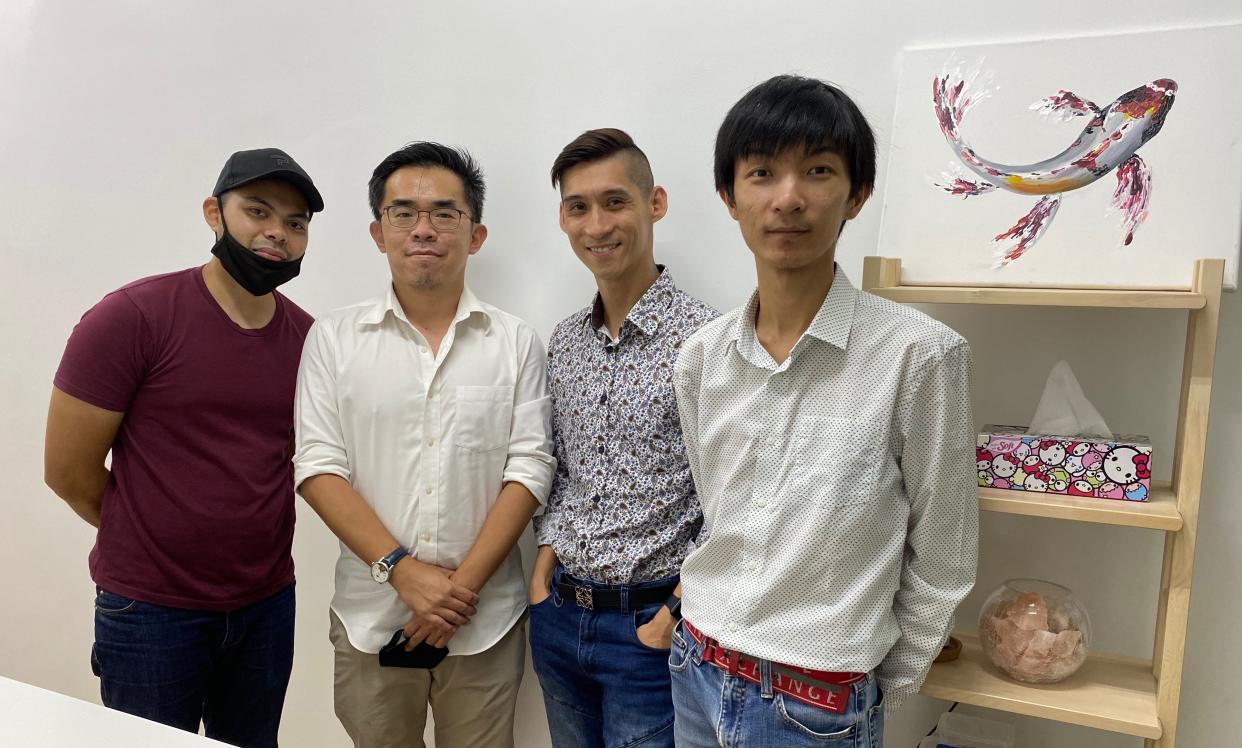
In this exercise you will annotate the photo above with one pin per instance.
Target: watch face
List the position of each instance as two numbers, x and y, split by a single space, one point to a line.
379 572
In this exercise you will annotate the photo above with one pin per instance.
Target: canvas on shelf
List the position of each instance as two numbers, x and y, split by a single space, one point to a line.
1092 162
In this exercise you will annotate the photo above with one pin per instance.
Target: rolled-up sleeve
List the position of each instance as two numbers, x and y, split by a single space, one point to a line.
320 444
530 461
938 567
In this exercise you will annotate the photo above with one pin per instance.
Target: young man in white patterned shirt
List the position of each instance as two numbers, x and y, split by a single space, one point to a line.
830 436
622 511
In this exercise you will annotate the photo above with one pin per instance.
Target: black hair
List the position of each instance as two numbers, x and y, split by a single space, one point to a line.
423 153
790 111
596 145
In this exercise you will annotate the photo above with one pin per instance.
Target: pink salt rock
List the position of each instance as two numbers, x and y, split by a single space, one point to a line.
1030 612
1030 642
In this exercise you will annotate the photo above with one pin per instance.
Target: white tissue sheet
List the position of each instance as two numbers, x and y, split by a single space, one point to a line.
1064 409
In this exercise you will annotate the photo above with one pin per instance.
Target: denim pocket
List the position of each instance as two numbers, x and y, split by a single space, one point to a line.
821 725
542 603
641 617
679 652
112 604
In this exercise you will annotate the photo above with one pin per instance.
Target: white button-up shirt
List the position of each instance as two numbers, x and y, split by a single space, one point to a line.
838 488
428 441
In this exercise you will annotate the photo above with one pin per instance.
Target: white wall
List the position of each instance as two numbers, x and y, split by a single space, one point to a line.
117 117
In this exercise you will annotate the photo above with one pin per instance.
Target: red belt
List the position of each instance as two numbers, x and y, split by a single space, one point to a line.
819 688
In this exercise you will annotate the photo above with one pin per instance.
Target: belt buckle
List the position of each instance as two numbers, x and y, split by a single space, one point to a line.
584 598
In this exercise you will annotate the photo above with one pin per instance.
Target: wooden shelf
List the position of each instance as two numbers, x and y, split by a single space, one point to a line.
1109 693
1117 694
1159 512
1122 299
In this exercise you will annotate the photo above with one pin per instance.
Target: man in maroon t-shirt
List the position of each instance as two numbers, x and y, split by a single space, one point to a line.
187 379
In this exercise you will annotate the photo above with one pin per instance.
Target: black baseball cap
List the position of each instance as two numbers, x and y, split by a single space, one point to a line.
244 167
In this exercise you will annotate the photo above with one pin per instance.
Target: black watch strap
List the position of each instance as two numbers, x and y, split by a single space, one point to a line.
673 603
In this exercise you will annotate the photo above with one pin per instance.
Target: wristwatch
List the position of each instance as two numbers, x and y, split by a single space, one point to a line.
380 570
673 603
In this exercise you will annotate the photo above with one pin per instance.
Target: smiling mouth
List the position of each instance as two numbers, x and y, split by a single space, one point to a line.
603 249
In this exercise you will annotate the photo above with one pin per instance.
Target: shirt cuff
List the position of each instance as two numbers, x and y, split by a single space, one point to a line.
534 474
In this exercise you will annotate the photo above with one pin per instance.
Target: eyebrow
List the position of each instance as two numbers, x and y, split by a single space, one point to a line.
610 192
447 203
261 201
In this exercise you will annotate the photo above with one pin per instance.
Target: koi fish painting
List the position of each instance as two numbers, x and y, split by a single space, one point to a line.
1095 193
1108 142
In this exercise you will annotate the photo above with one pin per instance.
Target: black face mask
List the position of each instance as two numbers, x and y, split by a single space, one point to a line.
258 275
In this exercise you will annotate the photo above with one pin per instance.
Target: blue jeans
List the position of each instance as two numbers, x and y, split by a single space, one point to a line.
179 666
715 709
602 687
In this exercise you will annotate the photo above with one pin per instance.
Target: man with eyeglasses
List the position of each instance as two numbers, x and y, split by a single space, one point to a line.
423 441
187 379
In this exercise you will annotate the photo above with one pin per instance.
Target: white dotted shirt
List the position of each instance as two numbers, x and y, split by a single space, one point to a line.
838 488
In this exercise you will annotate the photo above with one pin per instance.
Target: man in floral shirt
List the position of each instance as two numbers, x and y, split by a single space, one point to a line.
623 511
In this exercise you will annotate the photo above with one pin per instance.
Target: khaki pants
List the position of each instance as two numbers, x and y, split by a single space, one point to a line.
472 697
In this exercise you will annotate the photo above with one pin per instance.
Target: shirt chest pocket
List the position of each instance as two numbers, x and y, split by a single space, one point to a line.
484 416
837 461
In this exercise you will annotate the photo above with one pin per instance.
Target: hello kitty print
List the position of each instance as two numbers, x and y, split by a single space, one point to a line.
1008 457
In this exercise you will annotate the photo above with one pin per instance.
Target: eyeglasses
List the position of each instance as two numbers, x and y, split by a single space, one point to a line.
406 217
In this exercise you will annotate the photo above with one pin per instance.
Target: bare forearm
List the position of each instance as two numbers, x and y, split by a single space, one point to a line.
83 493
504 524
348 516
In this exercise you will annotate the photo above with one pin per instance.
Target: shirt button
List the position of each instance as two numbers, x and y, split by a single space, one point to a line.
427 536
428 490
431 441
422 349
758 502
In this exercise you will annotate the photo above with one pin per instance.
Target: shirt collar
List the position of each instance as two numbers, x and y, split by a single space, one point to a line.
467 306
831 323
647 312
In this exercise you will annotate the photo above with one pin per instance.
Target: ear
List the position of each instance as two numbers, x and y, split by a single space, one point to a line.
377 235
211 213
560 216
728 201
478 235
857 201
659 203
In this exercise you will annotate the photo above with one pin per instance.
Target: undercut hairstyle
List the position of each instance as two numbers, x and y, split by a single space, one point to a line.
790 111
597 145
423 153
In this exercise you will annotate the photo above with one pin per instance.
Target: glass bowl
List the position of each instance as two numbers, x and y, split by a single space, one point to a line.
1034 631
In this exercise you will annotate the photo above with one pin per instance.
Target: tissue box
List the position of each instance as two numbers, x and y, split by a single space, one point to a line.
1117 468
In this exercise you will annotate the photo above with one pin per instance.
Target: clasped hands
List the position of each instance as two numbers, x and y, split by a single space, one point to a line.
440 604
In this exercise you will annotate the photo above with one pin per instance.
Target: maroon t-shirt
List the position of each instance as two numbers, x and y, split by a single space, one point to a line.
199 511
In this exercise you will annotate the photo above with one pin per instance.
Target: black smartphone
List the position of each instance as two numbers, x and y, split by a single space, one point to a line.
394 653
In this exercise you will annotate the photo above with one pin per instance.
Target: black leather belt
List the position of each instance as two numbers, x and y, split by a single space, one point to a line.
611 597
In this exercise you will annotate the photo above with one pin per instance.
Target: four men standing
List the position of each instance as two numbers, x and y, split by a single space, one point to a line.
828 433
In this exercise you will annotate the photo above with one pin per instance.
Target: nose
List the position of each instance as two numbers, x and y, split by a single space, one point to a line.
597 223
422 229
788 197
275 230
